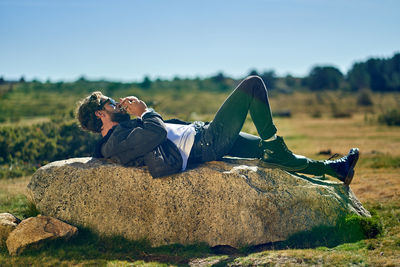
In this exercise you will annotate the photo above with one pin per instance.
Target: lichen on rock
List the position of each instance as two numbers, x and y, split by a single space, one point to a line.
231 202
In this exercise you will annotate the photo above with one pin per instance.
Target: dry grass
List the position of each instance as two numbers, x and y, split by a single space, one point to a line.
308 136
311 135
327 257
377 185
13 187
26 121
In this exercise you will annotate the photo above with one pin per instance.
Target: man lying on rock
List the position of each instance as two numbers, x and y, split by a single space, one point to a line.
166 147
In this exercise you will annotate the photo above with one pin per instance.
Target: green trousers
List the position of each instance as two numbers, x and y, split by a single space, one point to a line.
223 136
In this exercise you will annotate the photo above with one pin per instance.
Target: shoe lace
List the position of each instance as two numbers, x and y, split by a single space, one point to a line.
334 156
339 160
284 146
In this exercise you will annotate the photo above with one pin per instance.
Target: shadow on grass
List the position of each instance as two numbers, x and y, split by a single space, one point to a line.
349 229
90 247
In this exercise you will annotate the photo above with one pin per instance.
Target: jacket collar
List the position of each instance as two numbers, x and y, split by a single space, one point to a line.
97 148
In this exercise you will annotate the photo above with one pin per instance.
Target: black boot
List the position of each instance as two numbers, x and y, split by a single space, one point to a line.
276 154
343 168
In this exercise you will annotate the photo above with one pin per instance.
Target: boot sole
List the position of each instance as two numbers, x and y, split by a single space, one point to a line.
350 175
285 168
349 178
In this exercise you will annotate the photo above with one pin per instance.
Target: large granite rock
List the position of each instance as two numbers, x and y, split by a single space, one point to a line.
220 203
36 231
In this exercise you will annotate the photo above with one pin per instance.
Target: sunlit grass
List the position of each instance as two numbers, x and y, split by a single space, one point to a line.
376 182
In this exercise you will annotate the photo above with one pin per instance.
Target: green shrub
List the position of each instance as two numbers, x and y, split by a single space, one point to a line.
17 169
316 113
340 111
25 148
390 118
364 98
351 228
30 210
379 161
368 227
282 114
341 114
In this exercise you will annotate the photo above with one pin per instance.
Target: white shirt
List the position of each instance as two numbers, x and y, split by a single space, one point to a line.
183 137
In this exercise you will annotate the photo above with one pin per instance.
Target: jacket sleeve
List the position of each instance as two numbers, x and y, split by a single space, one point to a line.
136 141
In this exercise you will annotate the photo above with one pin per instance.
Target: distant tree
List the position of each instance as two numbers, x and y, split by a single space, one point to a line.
324 77
58 85
290 81
269 78
219 78
146 83
220 82
82 78
364 98
393 73
376 74
358 77
253 72
2 81
22 79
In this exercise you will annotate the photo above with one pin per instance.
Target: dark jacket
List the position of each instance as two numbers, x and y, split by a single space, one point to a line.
141 142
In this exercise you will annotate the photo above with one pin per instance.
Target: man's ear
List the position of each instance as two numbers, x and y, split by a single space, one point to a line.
99 114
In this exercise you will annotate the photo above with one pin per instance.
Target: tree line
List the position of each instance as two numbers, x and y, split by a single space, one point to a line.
376 74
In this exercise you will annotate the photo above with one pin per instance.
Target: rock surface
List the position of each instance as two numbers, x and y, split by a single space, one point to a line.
8 222
35 231
229 202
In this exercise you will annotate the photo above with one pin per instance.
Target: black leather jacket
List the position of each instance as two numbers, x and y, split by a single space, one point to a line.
141 142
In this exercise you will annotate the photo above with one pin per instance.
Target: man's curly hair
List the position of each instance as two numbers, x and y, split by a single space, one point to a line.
85 112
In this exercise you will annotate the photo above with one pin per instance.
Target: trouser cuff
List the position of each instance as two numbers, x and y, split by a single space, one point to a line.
268 132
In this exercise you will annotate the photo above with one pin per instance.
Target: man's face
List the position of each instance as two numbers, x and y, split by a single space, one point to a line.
114 109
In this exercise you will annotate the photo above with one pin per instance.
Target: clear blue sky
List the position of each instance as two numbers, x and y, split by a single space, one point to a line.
125 40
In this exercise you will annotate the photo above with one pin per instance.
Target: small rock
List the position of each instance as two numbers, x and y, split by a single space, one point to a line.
8 222
34 231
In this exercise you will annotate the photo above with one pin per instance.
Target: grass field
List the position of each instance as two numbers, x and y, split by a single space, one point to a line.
376 184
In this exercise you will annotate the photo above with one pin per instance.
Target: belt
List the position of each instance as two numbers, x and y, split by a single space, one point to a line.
196 151
198 126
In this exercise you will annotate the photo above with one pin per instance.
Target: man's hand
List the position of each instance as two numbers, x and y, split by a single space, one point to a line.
133 105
